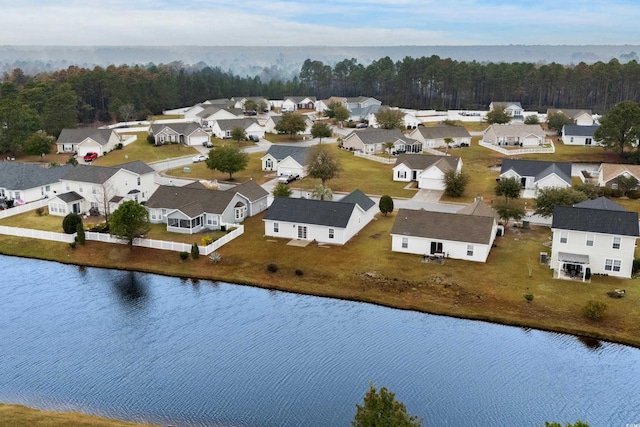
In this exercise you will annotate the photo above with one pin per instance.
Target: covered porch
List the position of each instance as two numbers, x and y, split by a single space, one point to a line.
573 267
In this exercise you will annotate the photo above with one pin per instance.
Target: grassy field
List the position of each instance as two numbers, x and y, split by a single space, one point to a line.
142 150
21 416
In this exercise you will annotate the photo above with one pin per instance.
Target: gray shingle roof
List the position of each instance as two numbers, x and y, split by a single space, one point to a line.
600 203
309 211
443 226
229 124
23 176
89 173
360 199
379 136
189 200
424 161
437 132
75 136
136 166
281 152
479 208
71 196
251 190
299 99
616 222
179 128
575 130
537 169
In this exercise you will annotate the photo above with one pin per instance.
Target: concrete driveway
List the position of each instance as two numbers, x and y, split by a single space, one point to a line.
428 196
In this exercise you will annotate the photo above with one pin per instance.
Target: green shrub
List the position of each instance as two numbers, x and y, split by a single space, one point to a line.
183 256
528 297
299 272
119 146
72 245
636 265
594 310
633 194
151 139
40 211
70 223
272 268
195 251
206 240
80 237
616 193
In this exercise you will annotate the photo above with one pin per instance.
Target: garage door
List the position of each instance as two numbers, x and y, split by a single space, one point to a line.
198 140
431 184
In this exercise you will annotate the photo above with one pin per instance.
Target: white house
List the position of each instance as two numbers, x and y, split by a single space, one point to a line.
579 135
179 133
195 208
223 128
293 103
515 134
513 109
427 170
409 119
321 220
444 235
83 141
434 136
286 160
211 113
26 182
580 117
593 237
534 175
372 141
96 189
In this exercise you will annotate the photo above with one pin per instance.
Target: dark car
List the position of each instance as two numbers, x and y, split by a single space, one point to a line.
464 144
90 156
254 138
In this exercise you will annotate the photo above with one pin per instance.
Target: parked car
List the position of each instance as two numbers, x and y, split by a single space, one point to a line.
464 144
362 126
199 158
207 144
287 179
90 156
254 138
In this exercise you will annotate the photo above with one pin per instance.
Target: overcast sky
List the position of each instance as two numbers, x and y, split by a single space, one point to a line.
328 22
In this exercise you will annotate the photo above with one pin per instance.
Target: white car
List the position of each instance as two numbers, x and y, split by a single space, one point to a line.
199 158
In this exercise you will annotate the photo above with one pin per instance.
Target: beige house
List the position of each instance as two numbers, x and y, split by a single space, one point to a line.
515 135
434 136
609 174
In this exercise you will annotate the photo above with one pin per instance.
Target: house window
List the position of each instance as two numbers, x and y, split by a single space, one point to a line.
402 174
614 185
276 227
94 205
612 264
17 195
164 213
161 138
153 215
589 239
80 188
47 188
268 164
331 233
616 243
94 190
469 250
138 180
239 212
212 220
405 242
587 141
563 236
571 139
68 188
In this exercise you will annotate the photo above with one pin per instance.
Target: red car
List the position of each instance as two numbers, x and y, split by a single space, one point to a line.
90 156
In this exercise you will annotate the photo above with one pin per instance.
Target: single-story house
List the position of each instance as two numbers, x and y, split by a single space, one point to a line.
409 119
593 237
192 112
83 141
534 174
351 103
240 100
427 170
443 235
609 174
579 134
434 136
286 160
272 121
27 182
321 220
195 208
580 117
179 133
372 141
513 109
102 189
223 128
293 103
212 113
515 134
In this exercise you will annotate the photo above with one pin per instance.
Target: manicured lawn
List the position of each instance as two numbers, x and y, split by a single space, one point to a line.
142 150
21 416
200 171
282 138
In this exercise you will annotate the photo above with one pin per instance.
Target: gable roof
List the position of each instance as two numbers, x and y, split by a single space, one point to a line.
76 136
179 128
443 226
616 222
507 104
379 136
212 109
136 166
519 130
600 203
569 112
244 123
71 196
309 211
23 176
424 161
479 208
360 199
537 168
90 173
250 189
575 130
299 99
437 132
609 171
281 152
192 201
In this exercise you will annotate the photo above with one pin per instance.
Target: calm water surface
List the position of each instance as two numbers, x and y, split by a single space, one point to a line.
150 348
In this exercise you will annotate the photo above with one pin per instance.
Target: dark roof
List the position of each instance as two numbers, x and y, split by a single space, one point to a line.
281 152
71 196
179 128
379 136
537 169
90 173
251 190
445 131
616 222
190 200
360 199
75 136
424 161
444 226
600 203
479 208
23 176
226 124
136 166
576 130
309 211
299 99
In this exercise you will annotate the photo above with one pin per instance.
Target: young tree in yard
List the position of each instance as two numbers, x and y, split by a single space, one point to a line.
556 121
263 105
381 409
250 105
322 164
627 183
227 159
455 183
388 146
129 221
320 130
509 188
386 204
282 190
498 115
340 113
321 192
38 144
291 123
552 196
238 134
388 118
509 210
620 127
532 119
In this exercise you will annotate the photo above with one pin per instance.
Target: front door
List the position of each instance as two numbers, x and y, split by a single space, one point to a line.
76 208
414 175
436 247
302 232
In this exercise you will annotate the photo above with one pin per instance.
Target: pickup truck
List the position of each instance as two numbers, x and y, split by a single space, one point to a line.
288 178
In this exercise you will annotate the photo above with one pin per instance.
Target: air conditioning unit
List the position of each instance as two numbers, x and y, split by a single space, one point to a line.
544 257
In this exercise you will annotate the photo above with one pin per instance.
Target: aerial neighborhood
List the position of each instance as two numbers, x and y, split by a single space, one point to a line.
425 151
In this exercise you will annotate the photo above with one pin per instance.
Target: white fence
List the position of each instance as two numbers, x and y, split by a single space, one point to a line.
16 210
37 234
129 140
529 150
385 160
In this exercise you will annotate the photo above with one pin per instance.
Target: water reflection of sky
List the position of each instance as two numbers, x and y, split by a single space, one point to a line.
170 351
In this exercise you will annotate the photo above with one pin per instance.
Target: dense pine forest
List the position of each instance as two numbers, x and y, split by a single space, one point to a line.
79 96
